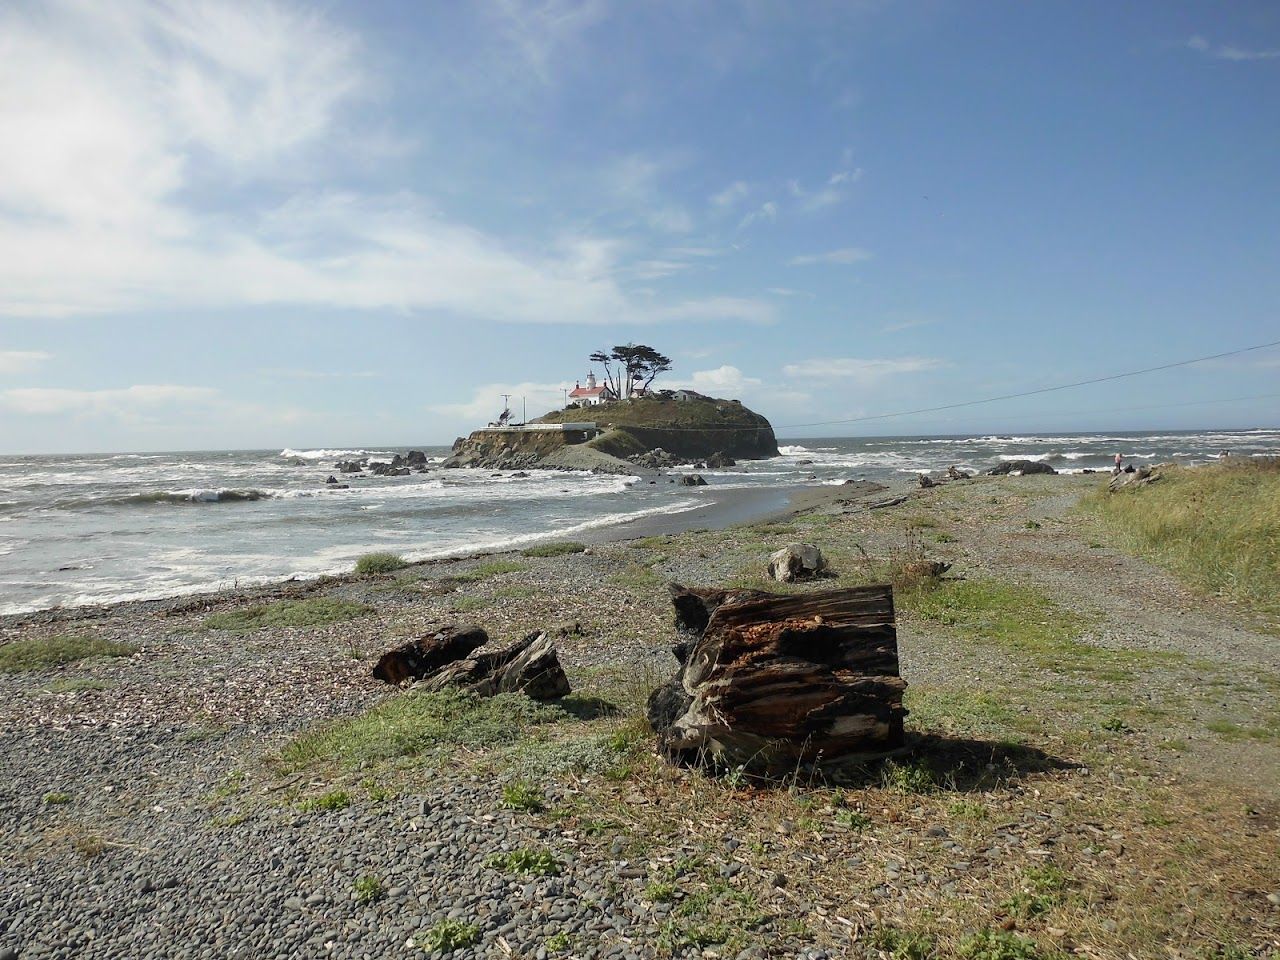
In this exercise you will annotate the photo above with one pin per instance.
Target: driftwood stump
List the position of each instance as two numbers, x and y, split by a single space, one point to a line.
424 656
771 683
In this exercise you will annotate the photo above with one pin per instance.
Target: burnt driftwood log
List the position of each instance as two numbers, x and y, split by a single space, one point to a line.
424 656
530 666
448 658
773 683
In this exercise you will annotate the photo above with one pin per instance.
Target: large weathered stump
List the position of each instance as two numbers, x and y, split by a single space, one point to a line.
771 683
424 656
530 666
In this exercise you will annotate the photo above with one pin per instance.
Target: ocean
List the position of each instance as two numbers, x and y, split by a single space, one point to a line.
99 528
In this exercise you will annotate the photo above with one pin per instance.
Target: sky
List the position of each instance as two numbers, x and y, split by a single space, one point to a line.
274 224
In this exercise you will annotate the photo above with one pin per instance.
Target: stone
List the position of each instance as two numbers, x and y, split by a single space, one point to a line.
796 561
1020 468
692 480
1137 478
719 460
927 481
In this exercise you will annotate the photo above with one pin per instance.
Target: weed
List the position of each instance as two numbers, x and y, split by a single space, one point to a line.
853 819
560 549
558 942
469 604
381 562
967 810
1033 525
89 845
447 935
944 538
491 568
45 653
660 892
312 612
998 945
523 796
333 800
913 777
532 863
367 889
57 797
1116 725
904 944
412 724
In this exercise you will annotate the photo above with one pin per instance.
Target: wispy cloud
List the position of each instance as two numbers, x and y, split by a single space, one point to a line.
864 370
845 255
901 325
1227 52
767 211
20 361
731 195
485 403
831 193
112 402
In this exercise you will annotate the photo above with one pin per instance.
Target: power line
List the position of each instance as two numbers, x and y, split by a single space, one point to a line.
1032 393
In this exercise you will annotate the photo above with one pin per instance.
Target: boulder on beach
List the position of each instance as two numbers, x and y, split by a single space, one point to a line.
693 480
1020 468
720 460
796 561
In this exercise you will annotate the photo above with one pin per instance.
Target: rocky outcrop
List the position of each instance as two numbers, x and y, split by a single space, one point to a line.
693 480
1020 468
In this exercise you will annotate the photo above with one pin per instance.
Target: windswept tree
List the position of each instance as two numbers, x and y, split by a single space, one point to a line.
631 364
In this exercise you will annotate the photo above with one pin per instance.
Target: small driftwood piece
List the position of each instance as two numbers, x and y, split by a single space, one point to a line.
531 667
424 656
771 683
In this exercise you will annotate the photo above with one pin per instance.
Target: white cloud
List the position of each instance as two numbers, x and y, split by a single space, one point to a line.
113 402
845 255
20 361
766 211
1226 52
859 369
117 115
724 381
486 401
731 195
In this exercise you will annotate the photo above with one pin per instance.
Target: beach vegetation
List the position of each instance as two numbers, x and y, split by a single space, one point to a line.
897 944
558 942
312 612
990 944
77 685
1217 527
527 862
326 802
367 889
558 549
523 796
381 562
447 935
491 568
57 797
416 723
46 653
469 604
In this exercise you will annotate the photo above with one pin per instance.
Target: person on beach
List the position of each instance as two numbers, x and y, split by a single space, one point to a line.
1119 461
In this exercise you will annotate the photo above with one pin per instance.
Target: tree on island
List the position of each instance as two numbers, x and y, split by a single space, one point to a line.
636 363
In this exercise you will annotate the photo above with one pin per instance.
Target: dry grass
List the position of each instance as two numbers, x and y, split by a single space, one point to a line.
1217 526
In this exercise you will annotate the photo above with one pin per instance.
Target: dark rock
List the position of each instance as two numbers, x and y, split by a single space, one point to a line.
415 458
927 481
954 473
719 460
1023 467
804 463
692 480
332 480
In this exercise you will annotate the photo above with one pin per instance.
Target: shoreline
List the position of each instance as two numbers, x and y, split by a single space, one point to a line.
725 508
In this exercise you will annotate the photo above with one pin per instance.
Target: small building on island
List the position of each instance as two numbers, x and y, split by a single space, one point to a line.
591 394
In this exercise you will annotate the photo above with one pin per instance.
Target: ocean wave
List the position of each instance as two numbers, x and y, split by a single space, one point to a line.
168 496
323 454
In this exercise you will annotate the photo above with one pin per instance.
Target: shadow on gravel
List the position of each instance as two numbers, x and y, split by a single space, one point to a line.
963 765
587 708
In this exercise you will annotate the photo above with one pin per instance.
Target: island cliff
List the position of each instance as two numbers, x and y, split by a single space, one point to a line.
649 431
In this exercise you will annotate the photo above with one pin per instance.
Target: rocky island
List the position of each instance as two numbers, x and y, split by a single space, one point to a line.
661 429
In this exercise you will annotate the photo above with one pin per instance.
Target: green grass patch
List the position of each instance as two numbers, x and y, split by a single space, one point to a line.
329 802
312 612
523 796
380 563
526 862
1217 527
561 549
45 653
904 944
492 568
57 798
367 889
413 724
1000 945
447 935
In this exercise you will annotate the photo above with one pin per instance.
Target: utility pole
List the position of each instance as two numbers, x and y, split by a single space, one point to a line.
505 398
565 391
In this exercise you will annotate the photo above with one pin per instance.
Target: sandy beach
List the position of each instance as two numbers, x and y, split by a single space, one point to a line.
1094 766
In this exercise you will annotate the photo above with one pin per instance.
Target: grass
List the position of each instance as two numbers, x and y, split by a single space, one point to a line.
492 568
312 612
45 653
448 935
1000 945
560 549
526 862
381 562
416 723
1217 527
331 801
523 796
57 798
904 944
368 889
77 685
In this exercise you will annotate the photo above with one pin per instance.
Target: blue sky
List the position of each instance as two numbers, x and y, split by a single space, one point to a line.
278 224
